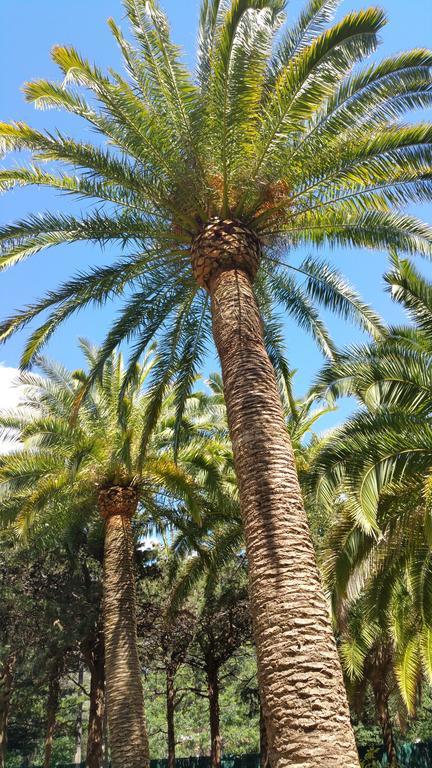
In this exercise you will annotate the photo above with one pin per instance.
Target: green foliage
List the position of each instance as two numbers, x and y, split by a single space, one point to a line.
239 722
279 127
66 453
376 470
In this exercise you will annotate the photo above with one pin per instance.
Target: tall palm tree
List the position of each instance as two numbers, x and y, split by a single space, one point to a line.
376 471
88 466
278 141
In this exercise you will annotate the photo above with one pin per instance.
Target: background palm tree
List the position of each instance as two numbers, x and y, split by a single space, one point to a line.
368 654
94 464
375 471
277 142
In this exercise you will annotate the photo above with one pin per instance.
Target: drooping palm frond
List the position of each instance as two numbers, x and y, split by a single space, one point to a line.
408 287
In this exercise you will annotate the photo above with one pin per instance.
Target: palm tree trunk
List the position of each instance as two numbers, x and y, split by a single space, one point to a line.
94 754
6 686
381 703
51 711
124 691
215 734
170 709
302 690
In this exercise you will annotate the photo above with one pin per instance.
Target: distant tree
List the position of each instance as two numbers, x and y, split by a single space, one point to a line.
177 632
223 626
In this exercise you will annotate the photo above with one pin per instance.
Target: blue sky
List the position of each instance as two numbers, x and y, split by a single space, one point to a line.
28 30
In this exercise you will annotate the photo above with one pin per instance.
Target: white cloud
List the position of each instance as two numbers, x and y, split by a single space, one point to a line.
9 396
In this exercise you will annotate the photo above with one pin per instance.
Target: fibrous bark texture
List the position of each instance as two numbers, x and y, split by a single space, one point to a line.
222 244
106 763
264 755
302 690
124 692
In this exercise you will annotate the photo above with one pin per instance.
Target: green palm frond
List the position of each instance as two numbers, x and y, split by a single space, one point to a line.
408 287
407 672
296 302
316 15
326 286
377 467
59 458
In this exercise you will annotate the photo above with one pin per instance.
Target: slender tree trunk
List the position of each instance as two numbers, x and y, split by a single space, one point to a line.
51 711
6 686
213 696
170 709
125 703
382 707
79 722
264 755
302 690
94 754
105 750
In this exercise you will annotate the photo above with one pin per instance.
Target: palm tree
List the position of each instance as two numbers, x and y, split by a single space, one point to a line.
72 470
280 140
368 655
376 471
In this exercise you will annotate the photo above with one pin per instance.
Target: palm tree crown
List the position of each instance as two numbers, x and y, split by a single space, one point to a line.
276 132
61 463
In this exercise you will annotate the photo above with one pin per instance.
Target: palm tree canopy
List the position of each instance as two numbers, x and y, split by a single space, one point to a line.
387 444
62 461
375 471
278 129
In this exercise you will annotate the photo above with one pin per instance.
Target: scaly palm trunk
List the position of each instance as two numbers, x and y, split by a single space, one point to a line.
94 756
382 706
124 692
215 734
302 690
106 763
6 686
